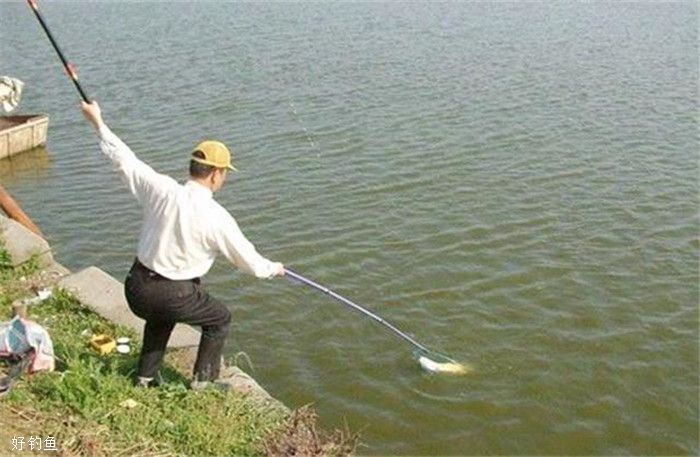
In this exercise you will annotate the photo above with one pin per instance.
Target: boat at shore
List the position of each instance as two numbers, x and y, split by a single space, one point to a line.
22 132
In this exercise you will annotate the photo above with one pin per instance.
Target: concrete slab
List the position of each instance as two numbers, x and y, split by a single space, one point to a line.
105 295
242 382
22 243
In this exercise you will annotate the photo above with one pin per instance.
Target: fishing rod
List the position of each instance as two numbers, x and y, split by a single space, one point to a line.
70 69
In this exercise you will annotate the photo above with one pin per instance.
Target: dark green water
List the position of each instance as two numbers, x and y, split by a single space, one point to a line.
514 184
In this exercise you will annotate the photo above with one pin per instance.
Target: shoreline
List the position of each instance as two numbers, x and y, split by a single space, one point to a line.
90 401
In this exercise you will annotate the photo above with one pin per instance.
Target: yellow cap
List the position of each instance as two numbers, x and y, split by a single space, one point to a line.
215 153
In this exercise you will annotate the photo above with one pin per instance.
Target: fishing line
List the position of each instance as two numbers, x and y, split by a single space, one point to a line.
391 207
303 127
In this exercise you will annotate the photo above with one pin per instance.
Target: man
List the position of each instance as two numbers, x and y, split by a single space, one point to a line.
183 230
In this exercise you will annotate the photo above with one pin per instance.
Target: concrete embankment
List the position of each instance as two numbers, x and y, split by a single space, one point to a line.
104 295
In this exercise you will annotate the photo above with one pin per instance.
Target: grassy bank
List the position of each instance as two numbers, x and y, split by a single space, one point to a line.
90 406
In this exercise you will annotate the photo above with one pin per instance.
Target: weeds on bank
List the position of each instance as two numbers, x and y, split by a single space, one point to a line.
17 281
300 436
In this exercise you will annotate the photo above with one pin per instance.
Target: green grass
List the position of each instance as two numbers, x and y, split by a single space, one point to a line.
14 282
83 400
89 403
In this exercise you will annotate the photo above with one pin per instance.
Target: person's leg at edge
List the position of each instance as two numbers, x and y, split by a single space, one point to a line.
215 328
155 339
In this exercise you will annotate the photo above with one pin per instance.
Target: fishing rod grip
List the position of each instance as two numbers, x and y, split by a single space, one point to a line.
80 90
73 75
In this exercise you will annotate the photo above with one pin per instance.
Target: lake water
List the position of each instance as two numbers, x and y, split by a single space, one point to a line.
513 184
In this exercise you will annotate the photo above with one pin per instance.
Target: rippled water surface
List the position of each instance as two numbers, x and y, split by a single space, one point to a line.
513 184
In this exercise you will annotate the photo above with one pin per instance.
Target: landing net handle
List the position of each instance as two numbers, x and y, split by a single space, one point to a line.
299 278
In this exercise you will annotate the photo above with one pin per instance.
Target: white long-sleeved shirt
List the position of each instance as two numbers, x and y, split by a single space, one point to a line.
184 228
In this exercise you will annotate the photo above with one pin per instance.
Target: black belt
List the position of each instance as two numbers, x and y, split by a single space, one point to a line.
157 276
150 273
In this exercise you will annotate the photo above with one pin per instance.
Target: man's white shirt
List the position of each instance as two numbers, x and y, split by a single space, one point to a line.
184 228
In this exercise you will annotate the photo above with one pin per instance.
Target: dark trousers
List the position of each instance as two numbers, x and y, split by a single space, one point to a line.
162 303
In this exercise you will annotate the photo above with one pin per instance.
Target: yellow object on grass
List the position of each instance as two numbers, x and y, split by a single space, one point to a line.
104 344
